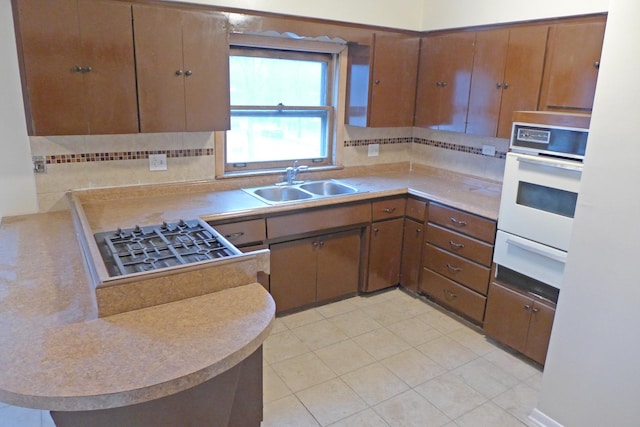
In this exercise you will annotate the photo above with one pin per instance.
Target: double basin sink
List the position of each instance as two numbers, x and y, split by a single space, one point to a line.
283 193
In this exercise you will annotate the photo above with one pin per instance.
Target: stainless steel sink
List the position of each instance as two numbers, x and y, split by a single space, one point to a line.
328 188
273 194
281 194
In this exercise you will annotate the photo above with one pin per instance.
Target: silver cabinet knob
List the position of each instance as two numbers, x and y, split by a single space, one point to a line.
188 73
179 72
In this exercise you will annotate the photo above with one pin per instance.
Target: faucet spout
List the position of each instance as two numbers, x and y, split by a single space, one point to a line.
292 172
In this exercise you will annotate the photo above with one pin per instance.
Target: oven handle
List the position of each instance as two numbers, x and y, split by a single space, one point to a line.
560 257
577 168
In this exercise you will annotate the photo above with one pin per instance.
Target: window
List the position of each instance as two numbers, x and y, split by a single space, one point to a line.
283 108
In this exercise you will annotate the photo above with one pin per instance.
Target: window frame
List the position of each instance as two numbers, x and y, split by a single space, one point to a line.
291 48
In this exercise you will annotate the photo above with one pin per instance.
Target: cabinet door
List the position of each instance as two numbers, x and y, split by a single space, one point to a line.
444 81
206 65
393 90
338 265
411 254
573 58
486 81
507 316
160 68
107 47
51 50
293 273
60 40
385 254
357 99
539 331
522 74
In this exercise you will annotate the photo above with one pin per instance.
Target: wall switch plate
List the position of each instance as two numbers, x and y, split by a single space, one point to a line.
157 162
374 150
39 164
488 150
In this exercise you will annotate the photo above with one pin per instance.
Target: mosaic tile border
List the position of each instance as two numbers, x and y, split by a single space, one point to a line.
458 147
423 141
381 141
125 155
196 152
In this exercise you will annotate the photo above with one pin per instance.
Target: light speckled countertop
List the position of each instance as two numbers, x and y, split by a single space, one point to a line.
57 354
471 194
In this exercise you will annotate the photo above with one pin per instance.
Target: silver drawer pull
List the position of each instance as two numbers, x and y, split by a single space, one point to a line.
452 268
234 236
458 222
456 245
449 295
389 210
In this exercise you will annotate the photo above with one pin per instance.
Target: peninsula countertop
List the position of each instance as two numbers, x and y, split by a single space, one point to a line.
58 355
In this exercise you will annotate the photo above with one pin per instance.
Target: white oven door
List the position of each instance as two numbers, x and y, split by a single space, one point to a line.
539 197
532 259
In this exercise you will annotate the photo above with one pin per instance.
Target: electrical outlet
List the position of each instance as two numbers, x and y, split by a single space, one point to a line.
488 150
374 150
157 162
39 164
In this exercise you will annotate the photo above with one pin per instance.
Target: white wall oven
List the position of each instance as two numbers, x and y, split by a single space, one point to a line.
539 194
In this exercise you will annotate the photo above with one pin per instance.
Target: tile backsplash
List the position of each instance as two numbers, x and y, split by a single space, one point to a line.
95 161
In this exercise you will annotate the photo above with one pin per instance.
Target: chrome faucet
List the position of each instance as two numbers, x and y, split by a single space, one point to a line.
291 173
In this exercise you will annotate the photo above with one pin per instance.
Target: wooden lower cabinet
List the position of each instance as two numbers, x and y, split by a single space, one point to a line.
452 295
519 321
385 248
413 237
314 269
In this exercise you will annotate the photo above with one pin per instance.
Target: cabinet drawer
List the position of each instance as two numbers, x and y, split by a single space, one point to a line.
318 219
460 244
416 209
452 295
461 270
463 222
240 233
390 208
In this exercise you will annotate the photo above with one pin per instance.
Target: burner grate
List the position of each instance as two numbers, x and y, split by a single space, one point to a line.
140 249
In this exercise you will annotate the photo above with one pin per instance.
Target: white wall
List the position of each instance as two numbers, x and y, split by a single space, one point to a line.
438 14
592 376
17 184
397 14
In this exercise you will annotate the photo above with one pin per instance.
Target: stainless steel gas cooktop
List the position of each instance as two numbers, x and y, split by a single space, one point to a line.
147 248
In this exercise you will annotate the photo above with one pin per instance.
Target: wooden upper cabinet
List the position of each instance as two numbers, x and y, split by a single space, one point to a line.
78 66
444 80
507 72
182 60
572 62
393 80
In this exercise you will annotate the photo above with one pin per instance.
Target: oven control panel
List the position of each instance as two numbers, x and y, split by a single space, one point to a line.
537 136
556 141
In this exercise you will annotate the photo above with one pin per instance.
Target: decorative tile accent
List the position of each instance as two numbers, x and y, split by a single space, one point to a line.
381 141
457 147
422 141
125 155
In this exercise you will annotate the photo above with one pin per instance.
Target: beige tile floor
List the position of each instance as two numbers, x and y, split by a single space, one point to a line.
390 359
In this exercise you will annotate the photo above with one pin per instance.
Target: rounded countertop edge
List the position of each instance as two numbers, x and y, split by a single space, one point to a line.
162 389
